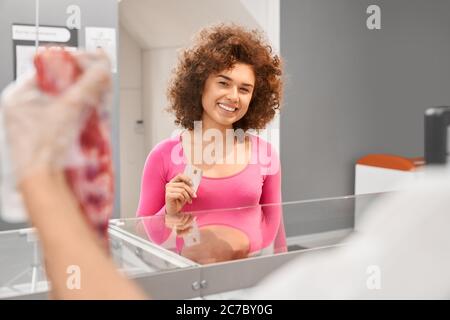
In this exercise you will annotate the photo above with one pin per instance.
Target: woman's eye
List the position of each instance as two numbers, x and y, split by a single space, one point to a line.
245 90
223 83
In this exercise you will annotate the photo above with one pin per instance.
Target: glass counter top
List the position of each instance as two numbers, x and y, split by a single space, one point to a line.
153 245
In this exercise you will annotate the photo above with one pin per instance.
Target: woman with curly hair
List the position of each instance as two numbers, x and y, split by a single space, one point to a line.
228 82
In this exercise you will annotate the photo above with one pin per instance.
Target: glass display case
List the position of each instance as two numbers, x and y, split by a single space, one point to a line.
204 258
22 271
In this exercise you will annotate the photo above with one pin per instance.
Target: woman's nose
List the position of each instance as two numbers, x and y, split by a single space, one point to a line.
233 94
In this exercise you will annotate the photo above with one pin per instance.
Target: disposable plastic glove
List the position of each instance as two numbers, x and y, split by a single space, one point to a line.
40 128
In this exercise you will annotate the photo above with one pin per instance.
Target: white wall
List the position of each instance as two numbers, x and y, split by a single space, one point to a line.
143 83
132 150
157 65
267 14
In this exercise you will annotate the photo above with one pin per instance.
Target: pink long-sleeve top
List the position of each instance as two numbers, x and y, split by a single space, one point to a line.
259 183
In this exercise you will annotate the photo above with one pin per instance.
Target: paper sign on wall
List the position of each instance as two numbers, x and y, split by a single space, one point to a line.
104 38
24 37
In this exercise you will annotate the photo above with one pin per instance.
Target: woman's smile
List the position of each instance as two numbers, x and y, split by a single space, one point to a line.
229 109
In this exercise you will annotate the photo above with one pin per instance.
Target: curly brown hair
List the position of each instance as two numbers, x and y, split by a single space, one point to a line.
218 48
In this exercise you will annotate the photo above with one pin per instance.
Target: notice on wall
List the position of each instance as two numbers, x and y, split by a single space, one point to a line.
24 43
104 38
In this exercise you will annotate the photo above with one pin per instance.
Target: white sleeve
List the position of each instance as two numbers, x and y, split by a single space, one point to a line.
402 252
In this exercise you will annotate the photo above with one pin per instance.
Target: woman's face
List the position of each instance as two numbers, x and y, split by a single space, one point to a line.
227 95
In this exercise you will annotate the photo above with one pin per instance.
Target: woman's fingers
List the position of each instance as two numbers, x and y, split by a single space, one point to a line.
186 187
182 185
176 196
181 177
185 194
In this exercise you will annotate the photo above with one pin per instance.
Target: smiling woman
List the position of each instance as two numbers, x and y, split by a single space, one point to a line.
228 82
217 50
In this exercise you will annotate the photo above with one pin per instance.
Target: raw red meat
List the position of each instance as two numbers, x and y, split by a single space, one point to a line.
92 181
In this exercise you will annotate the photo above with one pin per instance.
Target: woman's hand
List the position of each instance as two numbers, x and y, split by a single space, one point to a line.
179 192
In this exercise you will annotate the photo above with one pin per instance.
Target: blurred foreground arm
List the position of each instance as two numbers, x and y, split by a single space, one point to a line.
67 240
39 130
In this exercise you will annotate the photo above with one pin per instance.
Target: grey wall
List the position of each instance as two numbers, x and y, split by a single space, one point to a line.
351 91
98 13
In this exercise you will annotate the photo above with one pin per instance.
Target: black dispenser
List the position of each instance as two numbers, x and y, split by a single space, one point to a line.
437 121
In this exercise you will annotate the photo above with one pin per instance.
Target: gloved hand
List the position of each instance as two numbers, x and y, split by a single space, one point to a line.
40 128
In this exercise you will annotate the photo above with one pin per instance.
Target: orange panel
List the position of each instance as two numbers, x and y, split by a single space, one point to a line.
391 162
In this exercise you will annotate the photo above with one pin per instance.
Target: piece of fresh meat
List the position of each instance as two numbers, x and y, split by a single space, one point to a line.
92 181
